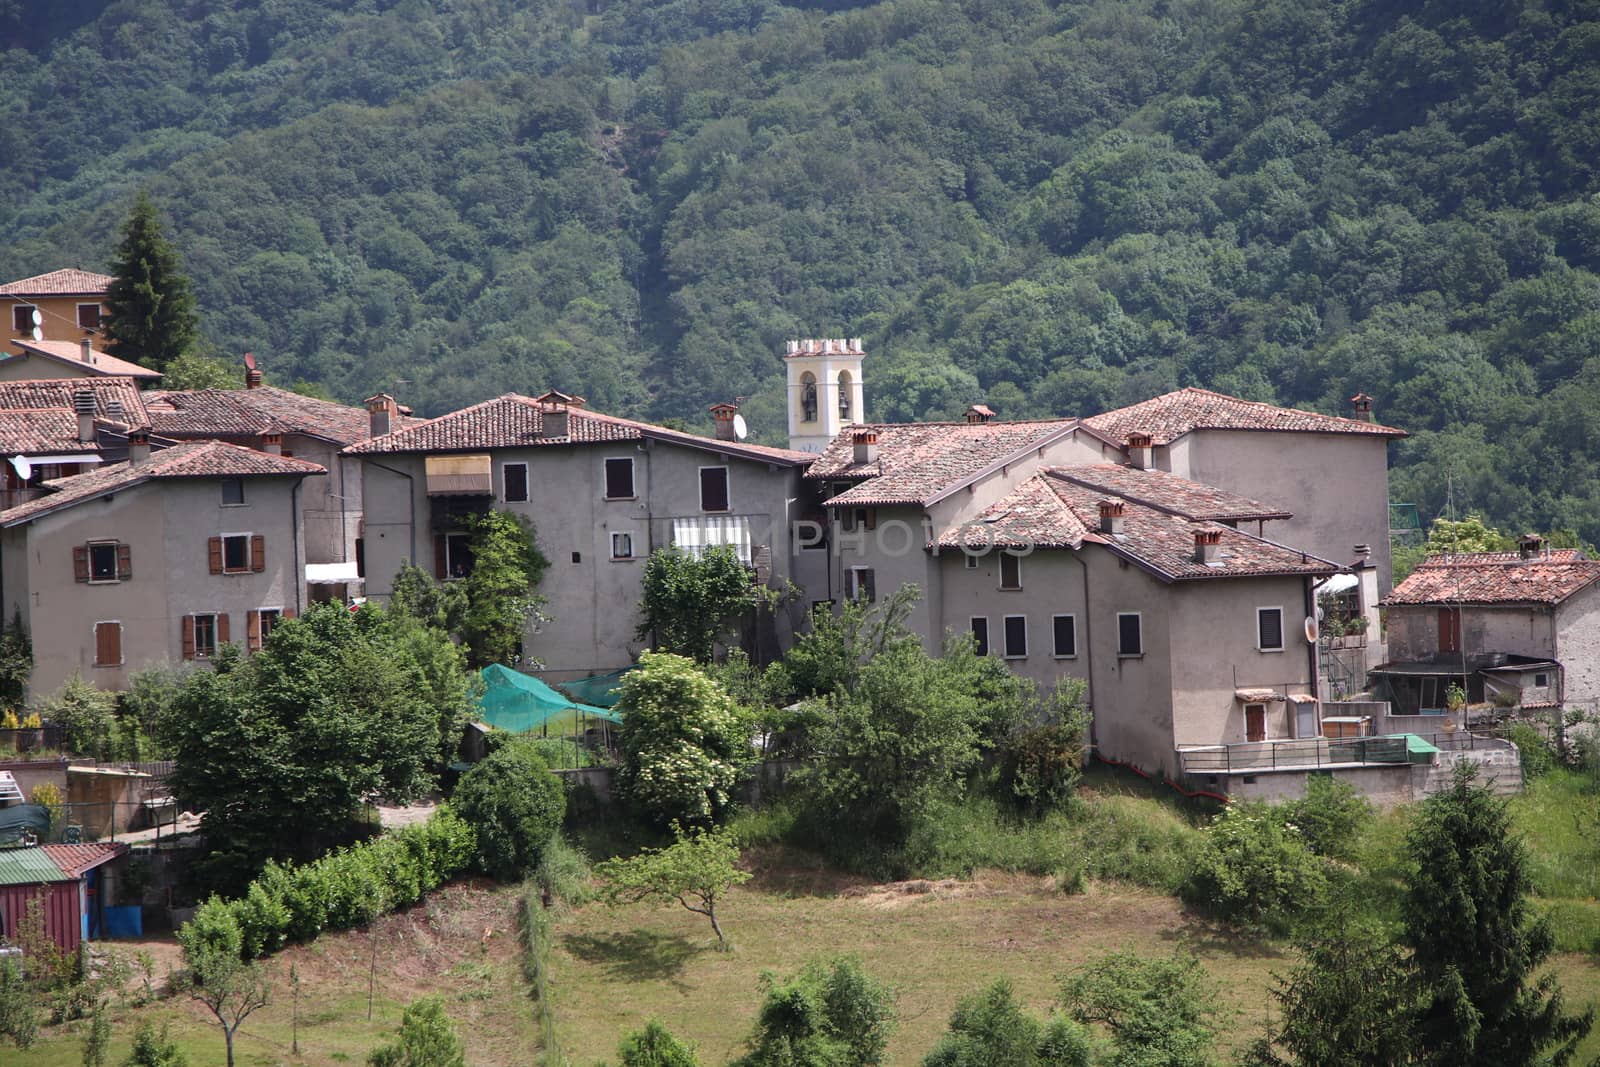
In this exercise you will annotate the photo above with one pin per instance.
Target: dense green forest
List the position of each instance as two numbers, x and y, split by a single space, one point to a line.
1056 206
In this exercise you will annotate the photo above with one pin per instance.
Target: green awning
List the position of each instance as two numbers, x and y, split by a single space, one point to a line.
602 690
518 703
1418 750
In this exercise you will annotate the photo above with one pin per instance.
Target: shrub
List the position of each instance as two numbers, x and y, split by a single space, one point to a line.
48 796
19 1015
830 1014
564 872
153 1048
1331 818
85 715
1156 1010
427 1038
515 806
992 1028
1253 869
654 1046
1537 753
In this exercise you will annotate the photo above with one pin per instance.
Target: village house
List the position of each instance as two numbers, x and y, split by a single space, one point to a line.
56 427
1511 629
63 305
602 492
68 359
163 557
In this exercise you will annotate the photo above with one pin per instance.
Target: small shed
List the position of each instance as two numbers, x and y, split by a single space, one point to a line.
70 879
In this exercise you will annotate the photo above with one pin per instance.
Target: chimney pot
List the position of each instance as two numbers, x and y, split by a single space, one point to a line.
138 447
980 413
866 445
272 444
87 348
1361 405
1112 516
381 412
83 406
1530 546
252 378
1140 448
723 415
1207 545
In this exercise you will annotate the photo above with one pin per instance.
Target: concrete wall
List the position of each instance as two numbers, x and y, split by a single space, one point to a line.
1520 629
27 367
1385 786
330 505
1052 584
1336 485
593 599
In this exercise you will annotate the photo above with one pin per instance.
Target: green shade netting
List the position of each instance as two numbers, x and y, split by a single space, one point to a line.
601 690
518 704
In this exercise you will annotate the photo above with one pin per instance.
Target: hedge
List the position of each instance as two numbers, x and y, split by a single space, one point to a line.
343 889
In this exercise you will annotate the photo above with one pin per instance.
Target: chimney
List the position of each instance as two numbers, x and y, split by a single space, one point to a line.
1363 553
1361 406
1140 448
553 415
723 415
866 446
83 404
381 411
272 444
1112 513
980 413
86 347
1530 546
1207 545
138 447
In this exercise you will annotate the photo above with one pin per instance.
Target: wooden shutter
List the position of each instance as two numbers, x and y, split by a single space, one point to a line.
124 562
222 628
107 644
438 557
214 552
252 630
187 628
870 515
80 562
258 552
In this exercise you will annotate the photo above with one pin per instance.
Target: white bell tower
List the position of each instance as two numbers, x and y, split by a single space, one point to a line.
825 390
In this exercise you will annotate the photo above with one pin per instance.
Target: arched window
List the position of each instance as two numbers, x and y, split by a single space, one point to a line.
844 396
808 397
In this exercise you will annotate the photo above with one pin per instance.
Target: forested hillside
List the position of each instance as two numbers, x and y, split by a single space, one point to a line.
1058 207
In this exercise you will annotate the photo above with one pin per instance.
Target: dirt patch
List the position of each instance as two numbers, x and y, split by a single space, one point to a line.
903 894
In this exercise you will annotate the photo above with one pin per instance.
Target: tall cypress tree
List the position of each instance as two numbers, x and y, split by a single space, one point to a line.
1475 943
151 311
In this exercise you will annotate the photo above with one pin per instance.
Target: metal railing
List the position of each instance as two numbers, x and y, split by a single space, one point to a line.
1314 752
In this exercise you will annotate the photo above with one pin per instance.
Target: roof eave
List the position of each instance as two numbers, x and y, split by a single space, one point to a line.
1000 464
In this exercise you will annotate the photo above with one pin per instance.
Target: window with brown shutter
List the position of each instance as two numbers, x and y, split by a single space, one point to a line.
258 552
186 631
108 644
80 562
124 562
214 552
222 629
252 630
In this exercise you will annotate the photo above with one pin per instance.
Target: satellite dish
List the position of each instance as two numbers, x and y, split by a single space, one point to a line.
38 334
249 361
23 468
740 430
38 319
1311 630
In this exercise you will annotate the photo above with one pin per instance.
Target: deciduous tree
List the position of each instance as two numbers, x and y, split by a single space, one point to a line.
696 872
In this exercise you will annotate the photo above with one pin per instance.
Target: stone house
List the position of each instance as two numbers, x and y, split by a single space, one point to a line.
164 557
601 492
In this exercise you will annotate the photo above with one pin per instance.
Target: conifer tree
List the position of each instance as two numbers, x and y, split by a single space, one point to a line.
1476 944
150 307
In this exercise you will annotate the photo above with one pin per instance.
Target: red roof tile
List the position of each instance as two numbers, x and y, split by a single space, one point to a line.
1048 511
1167 418
192 459
67 282
513 421
117 399
75 860
1170 493
40 431
1496 578
72 352
252 412
917 462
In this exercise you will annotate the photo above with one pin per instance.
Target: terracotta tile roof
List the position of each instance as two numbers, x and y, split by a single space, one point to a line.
117 399
40 431
1168 492
74 860
1167 418
1047 511
513 421
917 462
1496 578
192 459
253 412
72 352
67 282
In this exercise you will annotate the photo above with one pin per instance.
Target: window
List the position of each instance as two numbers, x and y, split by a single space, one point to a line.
1130 634
89 316
22 320
980 634
1016 636
203 635
259 626
515 478
619 478
1066 636
108 644
713 488
269 619
622 546
972 561
232 492
453 555
1541 680
859 584
235 553
844 396
1269 629
102 561
1010 571
851 519
808 397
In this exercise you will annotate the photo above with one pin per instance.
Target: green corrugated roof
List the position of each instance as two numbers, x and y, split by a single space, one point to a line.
28 866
